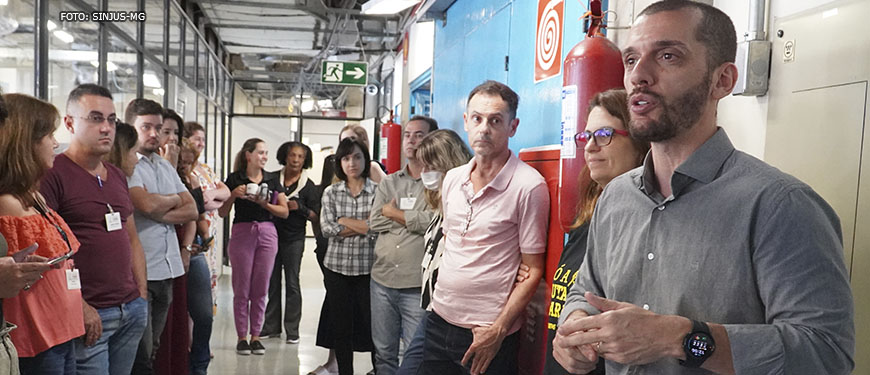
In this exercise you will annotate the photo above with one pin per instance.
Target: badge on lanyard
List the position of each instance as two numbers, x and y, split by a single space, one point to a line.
407 203
113 219
73 281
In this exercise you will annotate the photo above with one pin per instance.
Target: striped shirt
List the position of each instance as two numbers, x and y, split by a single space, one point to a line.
354 255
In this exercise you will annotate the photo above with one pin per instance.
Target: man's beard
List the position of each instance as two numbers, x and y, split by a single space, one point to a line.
678 115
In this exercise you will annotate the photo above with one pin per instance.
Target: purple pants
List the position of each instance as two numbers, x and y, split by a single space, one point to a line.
252 255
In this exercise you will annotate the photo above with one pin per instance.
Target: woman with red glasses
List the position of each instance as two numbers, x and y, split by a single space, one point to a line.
609 151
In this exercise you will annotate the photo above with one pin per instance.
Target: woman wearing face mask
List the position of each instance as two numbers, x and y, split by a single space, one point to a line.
48 311
349 257
254 240
440 151
609 151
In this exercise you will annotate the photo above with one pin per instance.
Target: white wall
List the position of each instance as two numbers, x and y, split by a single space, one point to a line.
274 131
744 118
422 44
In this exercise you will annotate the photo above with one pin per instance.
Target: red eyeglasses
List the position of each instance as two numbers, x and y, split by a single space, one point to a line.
601 136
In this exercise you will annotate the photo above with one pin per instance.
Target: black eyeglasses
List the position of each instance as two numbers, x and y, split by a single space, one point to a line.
602 137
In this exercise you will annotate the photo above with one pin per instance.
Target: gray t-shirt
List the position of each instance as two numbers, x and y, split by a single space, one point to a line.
739 243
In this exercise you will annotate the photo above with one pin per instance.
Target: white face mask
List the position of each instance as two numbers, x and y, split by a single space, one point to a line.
431 180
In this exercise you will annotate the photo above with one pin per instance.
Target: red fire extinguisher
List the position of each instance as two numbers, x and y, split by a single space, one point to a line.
391 145
592 66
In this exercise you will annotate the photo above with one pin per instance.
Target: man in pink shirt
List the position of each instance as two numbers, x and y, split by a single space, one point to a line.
495 217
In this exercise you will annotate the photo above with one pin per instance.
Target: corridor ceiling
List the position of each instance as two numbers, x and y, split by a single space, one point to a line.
276 46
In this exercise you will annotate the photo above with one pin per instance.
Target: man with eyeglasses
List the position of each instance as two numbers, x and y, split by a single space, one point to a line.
705 259
92 197
161 201
495 217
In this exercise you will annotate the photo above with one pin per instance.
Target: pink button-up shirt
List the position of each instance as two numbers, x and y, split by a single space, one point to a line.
485 235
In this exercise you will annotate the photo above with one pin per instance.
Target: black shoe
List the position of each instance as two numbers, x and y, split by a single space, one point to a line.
242 348
270 335
258 348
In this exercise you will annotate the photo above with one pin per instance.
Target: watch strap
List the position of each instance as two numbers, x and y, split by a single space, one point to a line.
691 360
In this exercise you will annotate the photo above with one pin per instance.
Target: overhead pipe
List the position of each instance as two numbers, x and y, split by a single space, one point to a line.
756 20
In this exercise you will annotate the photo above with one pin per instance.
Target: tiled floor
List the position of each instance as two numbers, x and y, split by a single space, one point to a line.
280 358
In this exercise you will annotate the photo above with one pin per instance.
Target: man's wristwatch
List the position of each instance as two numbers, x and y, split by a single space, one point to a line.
698 345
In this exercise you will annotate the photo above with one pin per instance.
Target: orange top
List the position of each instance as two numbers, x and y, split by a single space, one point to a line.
49 313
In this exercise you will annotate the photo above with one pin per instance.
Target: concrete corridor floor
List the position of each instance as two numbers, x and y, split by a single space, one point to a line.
280 357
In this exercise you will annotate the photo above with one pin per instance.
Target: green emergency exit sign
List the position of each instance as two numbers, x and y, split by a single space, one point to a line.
344 73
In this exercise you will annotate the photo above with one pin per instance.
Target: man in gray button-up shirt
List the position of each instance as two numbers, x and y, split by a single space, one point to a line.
161 202
400 216
705 256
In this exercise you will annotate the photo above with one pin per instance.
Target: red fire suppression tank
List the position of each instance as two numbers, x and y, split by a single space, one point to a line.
592 66
533 340
391 145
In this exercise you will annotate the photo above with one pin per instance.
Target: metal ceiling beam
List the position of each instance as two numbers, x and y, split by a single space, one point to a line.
300 29
257 4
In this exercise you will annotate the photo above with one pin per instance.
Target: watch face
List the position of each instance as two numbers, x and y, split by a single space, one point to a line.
699 345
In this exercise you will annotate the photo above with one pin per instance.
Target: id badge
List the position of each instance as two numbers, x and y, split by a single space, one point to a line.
407 203
113 221
73 281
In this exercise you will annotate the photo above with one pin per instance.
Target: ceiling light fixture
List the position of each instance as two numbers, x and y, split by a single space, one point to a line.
50 25
64 36
149 79
387 6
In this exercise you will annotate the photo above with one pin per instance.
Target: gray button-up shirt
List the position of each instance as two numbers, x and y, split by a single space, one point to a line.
739 243
159 241
399 249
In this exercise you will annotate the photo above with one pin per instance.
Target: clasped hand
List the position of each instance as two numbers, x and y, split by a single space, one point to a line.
622 333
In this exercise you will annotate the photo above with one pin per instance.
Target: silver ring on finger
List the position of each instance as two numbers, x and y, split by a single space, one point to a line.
27 286
598 347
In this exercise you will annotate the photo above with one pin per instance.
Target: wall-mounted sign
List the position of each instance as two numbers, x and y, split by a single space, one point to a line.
344 73
548 39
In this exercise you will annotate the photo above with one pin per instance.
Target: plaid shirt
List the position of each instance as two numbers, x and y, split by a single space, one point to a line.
354 255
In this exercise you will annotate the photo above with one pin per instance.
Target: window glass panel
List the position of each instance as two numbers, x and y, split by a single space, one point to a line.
152 81
201 76
228 90
202 118
121 66
176 22
212 78
129 28
17 48
154 28
72 57
189 51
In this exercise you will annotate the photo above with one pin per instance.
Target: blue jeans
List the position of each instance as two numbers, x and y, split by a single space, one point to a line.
116 348
200 308
446 344
396 313
413 357
56 360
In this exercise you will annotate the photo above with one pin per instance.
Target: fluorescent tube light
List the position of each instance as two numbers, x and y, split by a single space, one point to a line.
150 80
387 6
64 36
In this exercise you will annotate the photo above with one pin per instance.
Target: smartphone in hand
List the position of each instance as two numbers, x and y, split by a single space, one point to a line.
22 255
58 260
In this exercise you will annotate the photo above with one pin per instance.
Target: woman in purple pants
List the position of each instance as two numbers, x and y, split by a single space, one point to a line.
256 195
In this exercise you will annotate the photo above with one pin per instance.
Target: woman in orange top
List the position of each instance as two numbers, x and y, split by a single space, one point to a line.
48 313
